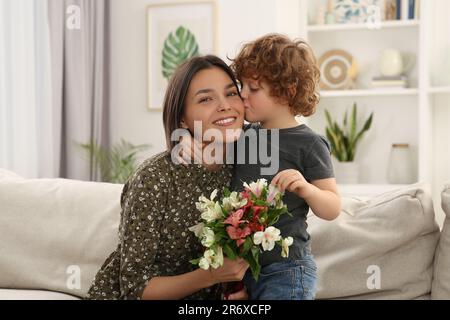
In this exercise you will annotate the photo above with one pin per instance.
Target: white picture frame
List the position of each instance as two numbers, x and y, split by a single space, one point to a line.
185 22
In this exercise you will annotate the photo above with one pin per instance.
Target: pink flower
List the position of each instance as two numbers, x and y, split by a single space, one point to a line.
238 234
273 192
235 218
257 210
256 187
249 204
255 226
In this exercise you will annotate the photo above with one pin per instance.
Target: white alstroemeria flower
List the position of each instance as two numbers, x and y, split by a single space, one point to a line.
256 187
204 203
274 194
267 238
212 213
234 201
204 263
285 244
217 258
197 229
212 258
208 237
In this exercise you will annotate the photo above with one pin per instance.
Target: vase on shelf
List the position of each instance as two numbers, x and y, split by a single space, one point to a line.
400 167
329 15
346 172
394 63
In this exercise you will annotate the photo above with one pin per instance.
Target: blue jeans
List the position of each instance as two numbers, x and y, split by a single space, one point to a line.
290 280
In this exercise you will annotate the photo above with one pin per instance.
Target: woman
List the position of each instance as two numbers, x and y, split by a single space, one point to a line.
158 201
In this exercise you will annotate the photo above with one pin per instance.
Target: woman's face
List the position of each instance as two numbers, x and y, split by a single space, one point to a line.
213 100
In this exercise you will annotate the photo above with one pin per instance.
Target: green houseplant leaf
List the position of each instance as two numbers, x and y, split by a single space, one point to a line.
178 48
344 139
115 164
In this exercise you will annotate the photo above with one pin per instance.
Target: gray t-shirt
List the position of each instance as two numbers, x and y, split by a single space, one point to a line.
299 148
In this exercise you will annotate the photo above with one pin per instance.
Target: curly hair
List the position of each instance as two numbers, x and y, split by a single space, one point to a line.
288 66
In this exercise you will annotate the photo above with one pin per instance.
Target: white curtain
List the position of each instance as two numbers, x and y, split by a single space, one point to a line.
80 82
28 143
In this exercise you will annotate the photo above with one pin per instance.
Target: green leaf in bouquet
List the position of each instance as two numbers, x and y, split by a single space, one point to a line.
274 220
195 261
229 252
218 237
253 261
216 225
225 212
263 217
247 245
264 194
259 203
276 212
226 192
221 233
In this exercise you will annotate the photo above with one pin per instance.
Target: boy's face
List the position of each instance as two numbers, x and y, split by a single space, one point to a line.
259 105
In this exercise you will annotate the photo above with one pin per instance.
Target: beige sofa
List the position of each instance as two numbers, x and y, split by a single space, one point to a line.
56 233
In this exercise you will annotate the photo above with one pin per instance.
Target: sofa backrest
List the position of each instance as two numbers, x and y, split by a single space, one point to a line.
380 248
55 233
441 281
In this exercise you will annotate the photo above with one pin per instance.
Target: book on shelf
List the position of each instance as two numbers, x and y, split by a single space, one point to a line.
390 10
402 9
390 82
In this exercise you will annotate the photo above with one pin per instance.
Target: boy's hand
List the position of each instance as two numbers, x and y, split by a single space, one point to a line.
292 181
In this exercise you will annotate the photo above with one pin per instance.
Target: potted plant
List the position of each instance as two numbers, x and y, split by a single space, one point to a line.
115 164
344 140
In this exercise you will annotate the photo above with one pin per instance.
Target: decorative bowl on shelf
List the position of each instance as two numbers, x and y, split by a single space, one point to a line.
338 70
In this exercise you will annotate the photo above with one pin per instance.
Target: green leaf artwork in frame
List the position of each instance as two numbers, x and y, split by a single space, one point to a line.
178 48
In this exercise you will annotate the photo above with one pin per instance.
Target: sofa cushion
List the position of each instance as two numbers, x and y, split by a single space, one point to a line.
56 233
4 174
380 248
14 294
441 281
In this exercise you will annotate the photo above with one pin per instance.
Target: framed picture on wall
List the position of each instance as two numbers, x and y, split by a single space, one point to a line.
176 31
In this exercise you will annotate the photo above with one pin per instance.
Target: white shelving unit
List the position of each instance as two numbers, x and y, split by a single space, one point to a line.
401 115
354 26
369 93
439 90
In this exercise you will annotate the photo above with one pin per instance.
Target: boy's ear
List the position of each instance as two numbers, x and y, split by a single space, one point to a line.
292 90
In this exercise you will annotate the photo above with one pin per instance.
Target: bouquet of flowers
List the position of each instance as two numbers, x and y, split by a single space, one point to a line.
241 225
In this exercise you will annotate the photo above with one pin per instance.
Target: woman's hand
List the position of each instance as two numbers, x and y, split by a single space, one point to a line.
191 151
232 270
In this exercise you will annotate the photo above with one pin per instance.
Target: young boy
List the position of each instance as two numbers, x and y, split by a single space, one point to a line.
279 80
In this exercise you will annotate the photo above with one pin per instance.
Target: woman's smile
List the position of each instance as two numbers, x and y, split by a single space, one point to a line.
225 122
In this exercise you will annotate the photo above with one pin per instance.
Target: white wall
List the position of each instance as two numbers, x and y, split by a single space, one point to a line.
239 21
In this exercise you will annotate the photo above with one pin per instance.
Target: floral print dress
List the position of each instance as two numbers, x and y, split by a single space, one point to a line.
158 207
